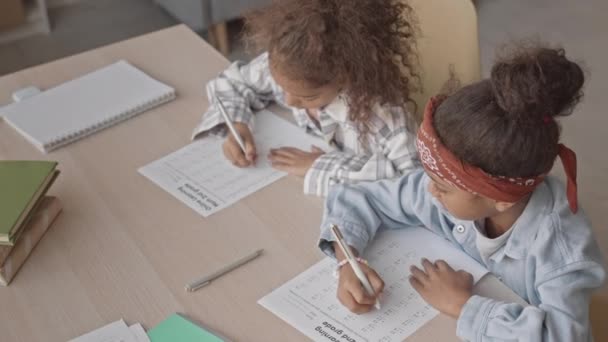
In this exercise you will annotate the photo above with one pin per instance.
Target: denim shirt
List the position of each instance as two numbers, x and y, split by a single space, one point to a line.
550 259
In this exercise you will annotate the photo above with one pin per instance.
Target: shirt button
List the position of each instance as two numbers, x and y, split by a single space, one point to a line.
460 228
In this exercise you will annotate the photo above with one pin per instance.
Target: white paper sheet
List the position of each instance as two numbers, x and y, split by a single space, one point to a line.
200 176
114 332
308 302
139 333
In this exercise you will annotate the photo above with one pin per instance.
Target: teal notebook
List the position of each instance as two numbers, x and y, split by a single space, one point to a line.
178 328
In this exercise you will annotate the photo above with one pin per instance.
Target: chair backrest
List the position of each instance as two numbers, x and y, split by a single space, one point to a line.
448 41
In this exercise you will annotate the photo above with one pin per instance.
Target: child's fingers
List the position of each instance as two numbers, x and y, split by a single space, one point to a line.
281 159
351 304
240 160
443 266
250 149
375 281
429 267
291 150
316 149
416 284
359 294
286 152
419 274
280 152
234 154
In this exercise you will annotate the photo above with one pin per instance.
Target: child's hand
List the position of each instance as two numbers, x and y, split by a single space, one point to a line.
292 160
352 294
233 151
442 287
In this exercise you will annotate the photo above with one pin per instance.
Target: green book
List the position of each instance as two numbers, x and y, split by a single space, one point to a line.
22 184
178 328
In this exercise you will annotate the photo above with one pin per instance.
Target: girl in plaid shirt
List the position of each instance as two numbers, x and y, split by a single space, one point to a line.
344 68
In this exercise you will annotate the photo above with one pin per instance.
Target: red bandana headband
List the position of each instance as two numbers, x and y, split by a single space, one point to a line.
438 160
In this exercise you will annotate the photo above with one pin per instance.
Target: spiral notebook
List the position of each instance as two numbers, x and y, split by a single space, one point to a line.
85 105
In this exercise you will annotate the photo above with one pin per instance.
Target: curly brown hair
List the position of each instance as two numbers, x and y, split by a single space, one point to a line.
368 45
505 125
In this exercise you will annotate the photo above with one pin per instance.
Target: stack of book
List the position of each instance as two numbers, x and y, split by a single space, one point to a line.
25 212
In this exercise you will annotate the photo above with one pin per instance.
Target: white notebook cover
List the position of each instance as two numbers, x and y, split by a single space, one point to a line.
86 105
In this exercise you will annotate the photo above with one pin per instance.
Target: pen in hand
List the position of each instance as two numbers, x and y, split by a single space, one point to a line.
233 131
243 152
352 261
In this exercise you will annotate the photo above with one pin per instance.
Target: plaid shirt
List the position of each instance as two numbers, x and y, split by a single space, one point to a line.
387 151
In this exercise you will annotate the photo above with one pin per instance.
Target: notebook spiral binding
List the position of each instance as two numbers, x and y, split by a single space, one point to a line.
80 133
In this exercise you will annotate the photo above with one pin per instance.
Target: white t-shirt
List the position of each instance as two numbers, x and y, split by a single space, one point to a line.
487 246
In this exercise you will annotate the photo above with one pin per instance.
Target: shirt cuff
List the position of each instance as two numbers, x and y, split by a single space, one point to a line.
213 122
313 183
474 318
354 236
318 177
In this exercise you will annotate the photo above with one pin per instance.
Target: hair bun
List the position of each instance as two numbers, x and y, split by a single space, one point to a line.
533 83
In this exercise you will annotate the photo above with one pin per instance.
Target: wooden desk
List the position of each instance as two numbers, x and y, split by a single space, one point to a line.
125 248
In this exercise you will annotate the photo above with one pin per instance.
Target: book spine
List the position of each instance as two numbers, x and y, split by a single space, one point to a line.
33 232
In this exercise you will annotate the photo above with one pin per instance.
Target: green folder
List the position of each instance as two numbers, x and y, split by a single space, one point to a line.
22 184
178 328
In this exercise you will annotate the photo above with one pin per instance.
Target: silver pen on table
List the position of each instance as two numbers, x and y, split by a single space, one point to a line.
206 280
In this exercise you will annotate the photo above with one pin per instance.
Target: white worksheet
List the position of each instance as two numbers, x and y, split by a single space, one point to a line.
139 333
200 176
308 302
114 332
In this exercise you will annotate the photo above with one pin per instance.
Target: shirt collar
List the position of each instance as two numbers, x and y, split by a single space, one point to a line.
337 110
529 222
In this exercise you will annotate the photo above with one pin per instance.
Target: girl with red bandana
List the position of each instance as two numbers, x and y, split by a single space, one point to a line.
486 151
